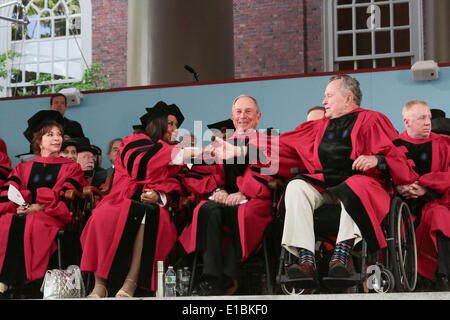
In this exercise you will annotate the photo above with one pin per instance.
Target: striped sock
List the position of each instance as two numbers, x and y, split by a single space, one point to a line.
342 251
306 256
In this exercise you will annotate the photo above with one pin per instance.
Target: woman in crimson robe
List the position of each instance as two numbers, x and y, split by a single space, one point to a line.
130 229
27 233
5 162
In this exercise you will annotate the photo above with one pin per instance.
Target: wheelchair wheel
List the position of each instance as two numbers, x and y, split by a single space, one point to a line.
402 247
385 283
291 290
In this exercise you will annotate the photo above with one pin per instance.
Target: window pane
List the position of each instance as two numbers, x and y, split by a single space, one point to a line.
45 31
363 43
74 51
30 73
60 49
74 69
401 14
384 63
346 65
401 40
16 74
60 27
345 45
403 61
59 10
16 32
45 69
385 16
340 2
45 53
344 20
75 26
383 42
59 70
361 17
31 30
362 1
365 64
28 49
74 7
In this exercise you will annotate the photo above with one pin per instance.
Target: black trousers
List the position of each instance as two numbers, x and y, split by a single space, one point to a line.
13 270
212 219
443 245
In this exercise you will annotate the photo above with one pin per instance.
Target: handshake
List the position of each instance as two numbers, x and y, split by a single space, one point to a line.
219 150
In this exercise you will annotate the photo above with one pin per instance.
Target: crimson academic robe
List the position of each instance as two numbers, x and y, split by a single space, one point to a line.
109 234
252 216
431 158
42 181
326 149
5 163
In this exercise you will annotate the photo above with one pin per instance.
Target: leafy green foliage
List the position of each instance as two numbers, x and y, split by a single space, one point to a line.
4 58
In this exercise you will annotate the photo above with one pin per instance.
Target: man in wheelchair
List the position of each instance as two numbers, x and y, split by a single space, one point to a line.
429 196
347 158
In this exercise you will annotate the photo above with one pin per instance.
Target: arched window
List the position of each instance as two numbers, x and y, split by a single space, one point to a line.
363 34
54 47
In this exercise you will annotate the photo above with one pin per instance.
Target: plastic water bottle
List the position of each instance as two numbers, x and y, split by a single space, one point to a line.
170 283
180 288
185 279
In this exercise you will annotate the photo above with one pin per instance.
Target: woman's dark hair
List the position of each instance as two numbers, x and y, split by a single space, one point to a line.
157 128
37 136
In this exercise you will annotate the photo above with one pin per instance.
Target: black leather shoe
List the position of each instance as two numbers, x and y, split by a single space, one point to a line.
441 283
208 288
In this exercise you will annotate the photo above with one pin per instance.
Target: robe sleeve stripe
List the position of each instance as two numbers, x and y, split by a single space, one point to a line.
74 182
199 173
14 179
132 158
142 169
132 145
4 199
197 177
263 181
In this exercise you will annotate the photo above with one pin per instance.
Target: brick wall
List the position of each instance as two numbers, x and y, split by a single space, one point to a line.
270 37
109 38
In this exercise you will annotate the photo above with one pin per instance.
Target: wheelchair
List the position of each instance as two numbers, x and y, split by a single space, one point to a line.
393 268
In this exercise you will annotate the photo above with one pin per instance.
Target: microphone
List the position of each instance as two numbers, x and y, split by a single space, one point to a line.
191 70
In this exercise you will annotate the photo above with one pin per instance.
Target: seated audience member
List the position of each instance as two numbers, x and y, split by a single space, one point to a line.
5 162
429 196
100 173
28 231
130 229
439 123
315 113
86 159
69 149
113 150
240 201
342 158
223 129
72 129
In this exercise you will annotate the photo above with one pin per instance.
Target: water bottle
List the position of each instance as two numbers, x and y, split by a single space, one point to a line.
180 289
170 283
185 280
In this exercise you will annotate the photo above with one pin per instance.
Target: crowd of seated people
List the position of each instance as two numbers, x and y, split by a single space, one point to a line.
342 154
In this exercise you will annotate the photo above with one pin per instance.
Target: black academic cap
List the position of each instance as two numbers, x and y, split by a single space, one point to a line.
158 110
227 124
39 120
441 126
437 113
84 144
175 111
70 142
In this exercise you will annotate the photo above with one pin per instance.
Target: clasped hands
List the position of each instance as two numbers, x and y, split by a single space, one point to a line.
227 199
222 150
411 191
23 211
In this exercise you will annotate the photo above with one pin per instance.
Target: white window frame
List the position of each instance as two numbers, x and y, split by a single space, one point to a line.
330 34
84 41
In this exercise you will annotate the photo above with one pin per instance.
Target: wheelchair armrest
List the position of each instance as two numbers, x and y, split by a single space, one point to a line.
73 194
90 190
